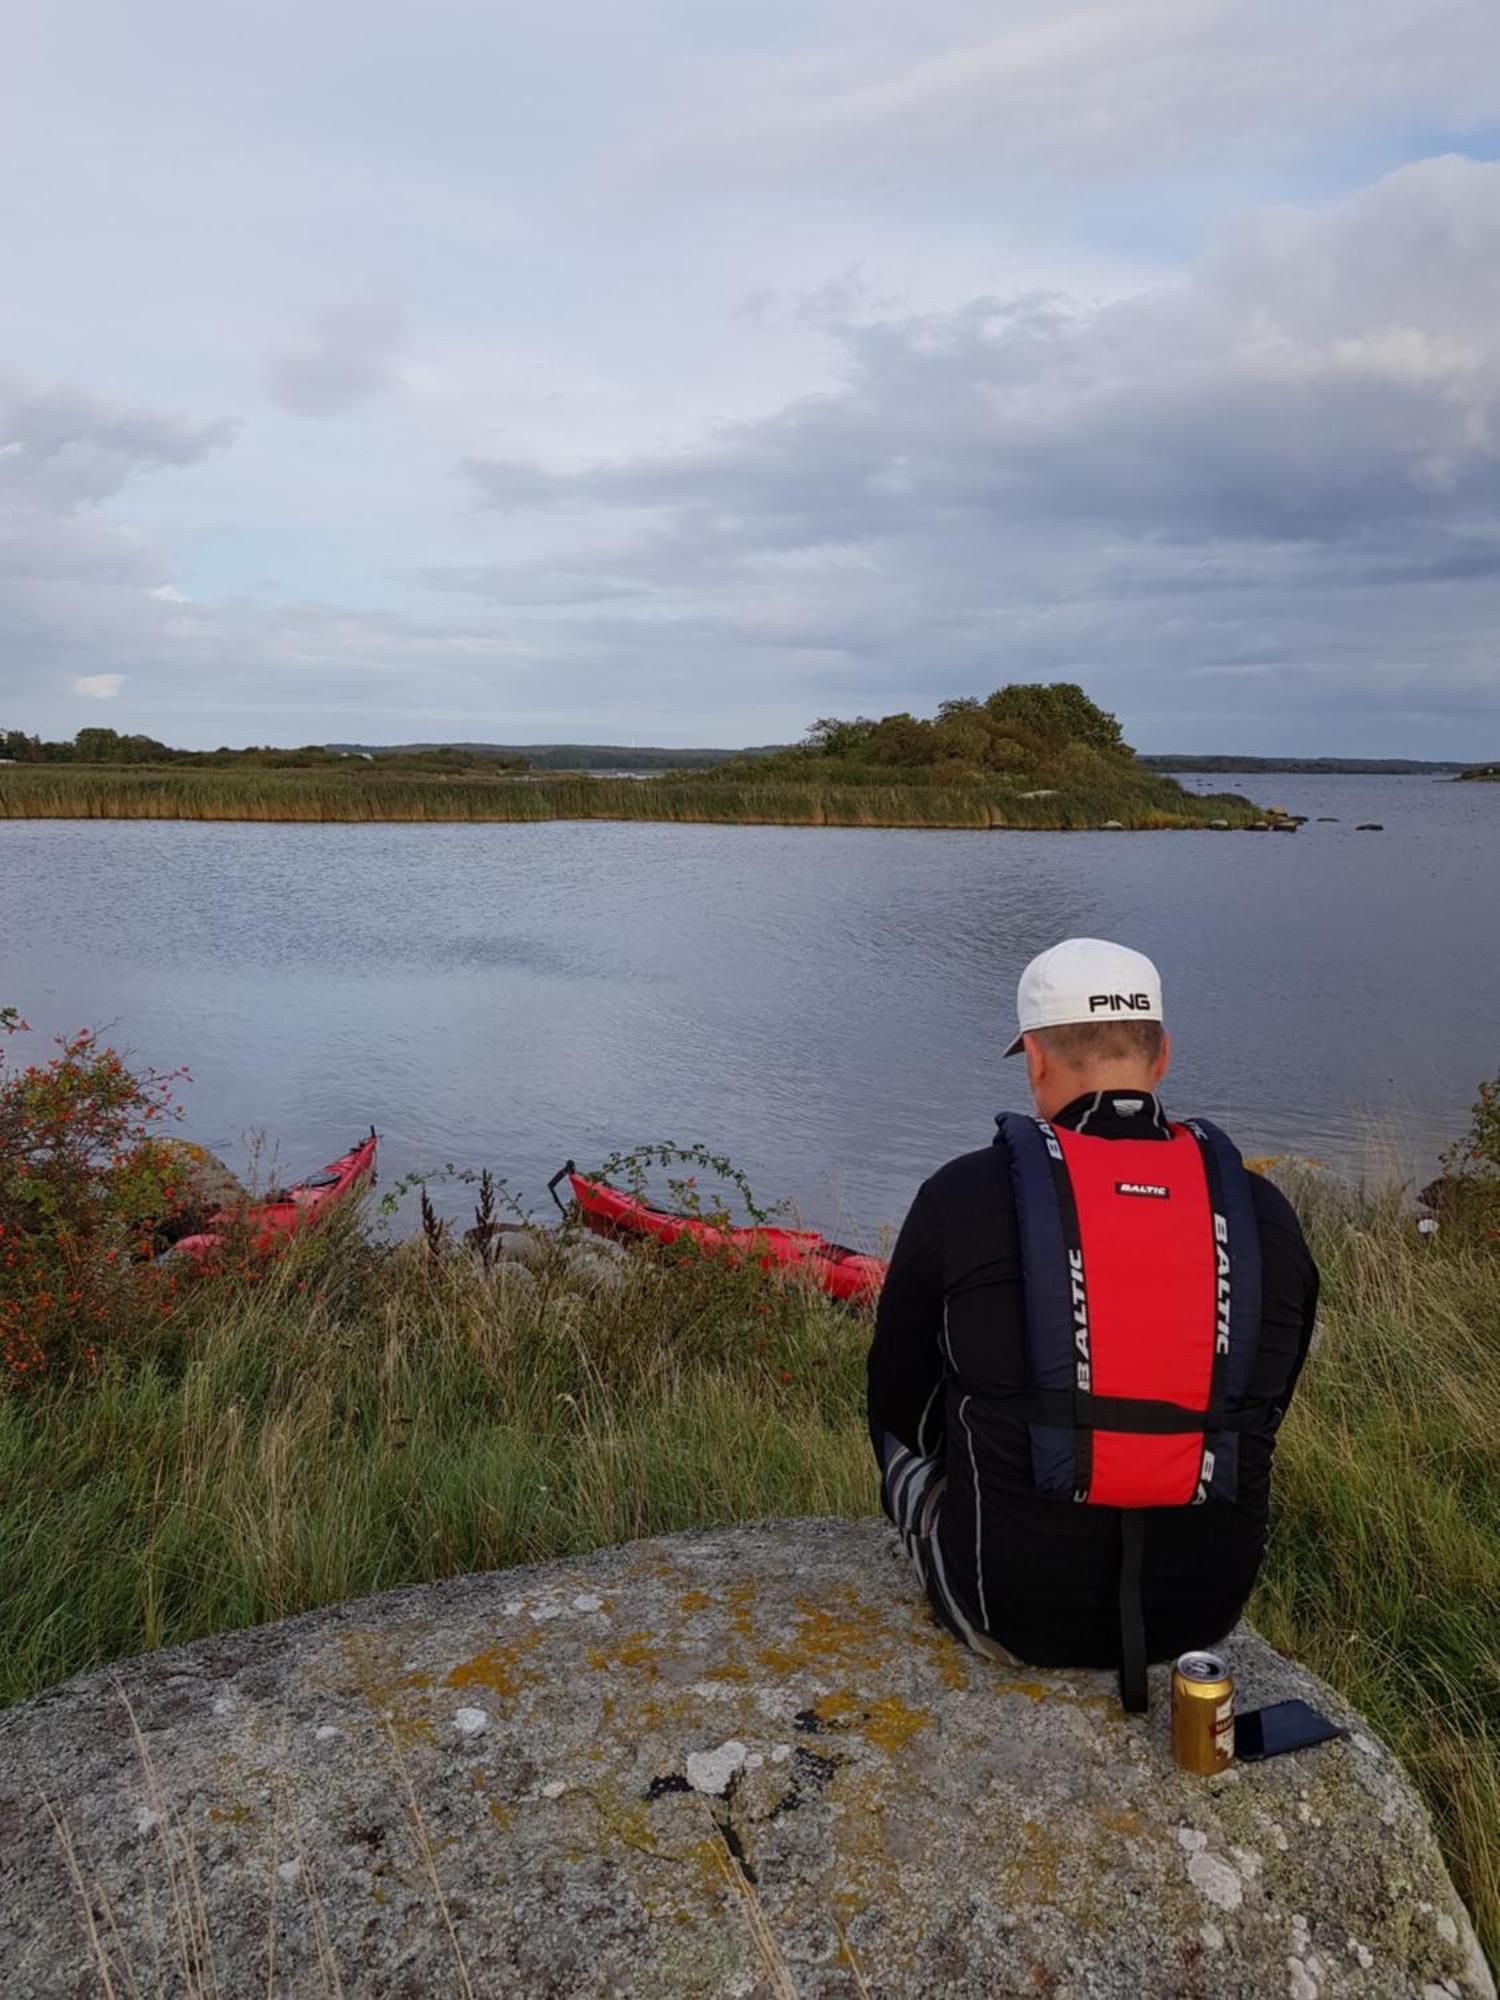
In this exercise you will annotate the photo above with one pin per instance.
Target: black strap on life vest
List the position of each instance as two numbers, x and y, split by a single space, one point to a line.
1134 1689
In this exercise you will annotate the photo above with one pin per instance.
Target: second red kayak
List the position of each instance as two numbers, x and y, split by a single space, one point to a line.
269 1223
844 1274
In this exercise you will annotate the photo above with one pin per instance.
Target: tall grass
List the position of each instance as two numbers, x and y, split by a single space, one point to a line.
358 792
1383 1572
399 1421
403 1418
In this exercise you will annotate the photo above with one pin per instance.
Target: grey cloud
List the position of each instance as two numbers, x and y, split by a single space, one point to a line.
348 355
520 588
1293 389
75 602
1035 486
61 449
511 482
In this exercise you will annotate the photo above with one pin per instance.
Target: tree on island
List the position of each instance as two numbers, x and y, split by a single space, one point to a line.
1027 727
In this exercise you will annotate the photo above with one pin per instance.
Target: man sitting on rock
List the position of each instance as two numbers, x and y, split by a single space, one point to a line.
1087 1341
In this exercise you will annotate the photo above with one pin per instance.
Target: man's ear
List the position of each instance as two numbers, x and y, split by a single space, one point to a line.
1164 1060
1036 1061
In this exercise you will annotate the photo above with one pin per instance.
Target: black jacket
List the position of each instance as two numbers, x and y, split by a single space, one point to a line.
951 1325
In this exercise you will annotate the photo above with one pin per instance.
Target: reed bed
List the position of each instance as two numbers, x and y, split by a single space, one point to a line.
359 794
364 1419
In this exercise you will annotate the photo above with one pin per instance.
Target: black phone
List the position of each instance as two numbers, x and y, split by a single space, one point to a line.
1285 1725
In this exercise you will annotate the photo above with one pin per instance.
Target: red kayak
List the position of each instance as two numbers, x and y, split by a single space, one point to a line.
843 1273
271 1222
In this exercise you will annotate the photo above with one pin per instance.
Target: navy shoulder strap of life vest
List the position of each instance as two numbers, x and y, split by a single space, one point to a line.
1057 1358
1238 1302
1064 1411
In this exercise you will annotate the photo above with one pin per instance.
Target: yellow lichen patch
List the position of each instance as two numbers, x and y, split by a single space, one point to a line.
890 1724
740 1600
830 1635
694 1600
836 1708
382 1679
950 1661
868 1873
1040 1862
1061 1697
640 1650
886 1723
496 1668
676 1712
1120 1819
849 1631
235 1815
630 1823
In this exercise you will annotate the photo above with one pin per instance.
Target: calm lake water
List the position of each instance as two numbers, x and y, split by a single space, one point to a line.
826 1006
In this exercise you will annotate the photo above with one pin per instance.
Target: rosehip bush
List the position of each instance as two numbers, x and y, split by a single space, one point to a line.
1481 1148
84 1181
1473 1167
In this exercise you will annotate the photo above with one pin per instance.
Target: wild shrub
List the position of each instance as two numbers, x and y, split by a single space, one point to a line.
1469 1193
84 1179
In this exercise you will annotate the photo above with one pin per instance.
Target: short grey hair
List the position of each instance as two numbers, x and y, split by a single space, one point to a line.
1080 1044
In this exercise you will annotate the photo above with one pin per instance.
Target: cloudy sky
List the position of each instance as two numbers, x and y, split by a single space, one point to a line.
680 370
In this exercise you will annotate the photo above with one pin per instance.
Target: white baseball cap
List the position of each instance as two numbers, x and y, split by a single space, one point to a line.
1086 979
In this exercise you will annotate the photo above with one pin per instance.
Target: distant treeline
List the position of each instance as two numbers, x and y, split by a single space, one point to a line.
1313 766
108 746
1011 731
1052 734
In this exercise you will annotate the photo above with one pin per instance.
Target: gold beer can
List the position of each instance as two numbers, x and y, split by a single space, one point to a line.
1202 1713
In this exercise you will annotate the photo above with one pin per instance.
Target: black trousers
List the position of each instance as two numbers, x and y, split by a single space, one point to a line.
913 1487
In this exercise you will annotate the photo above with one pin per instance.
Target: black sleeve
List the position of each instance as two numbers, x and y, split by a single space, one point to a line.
906 1362
1289 1289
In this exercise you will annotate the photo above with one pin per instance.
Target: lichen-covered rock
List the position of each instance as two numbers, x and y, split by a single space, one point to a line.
739 1763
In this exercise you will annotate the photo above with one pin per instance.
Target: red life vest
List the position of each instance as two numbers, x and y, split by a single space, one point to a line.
1141 1269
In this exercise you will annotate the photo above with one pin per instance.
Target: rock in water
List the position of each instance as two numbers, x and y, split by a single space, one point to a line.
739 1763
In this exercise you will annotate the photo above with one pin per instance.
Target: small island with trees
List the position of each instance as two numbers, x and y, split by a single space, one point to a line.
1027 756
